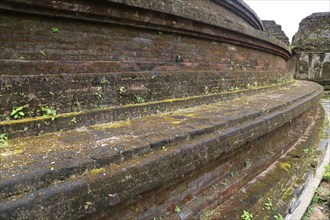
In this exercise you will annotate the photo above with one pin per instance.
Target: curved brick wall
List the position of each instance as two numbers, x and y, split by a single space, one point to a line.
97 48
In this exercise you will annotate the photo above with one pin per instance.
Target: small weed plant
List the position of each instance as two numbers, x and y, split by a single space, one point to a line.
138 99
3 140
223 183
98 93
206 90
177 209
48 111
281 79
17 112
122 90
179 59
268 204
42 132
43 53
104 81
278 217
233 173
247 163
308 213
326 173
252 86
233 89
55 29
316 199
246 215
73 121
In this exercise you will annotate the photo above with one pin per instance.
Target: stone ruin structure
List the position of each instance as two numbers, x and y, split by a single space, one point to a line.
150 110
311 50
275 30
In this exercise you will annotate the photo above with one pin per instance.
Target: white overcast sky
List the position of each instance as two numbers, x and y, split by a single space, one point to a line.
287 13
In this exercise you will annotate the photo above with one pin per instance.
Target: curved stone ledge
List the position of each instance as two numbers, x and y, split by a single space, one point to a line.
103 165
241 9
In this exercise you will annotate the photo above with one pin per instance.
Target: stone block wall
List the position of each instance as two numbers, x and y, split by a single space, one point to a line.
312 49
275 30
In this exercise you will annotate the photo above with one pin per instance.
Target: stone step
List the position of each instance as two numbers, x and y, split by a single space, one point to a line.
270 183
121 106
95 168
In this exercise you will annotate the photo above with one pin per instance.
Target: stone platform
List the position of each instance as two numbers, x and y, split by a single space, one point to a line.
194 158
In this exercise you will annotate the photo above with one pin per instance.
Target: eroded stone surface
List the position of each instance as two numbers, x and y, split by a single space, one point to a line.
275 30
311 49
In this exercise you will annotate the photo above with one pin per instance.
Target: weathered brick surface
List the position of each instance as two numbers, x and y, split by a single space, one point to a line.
82 66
